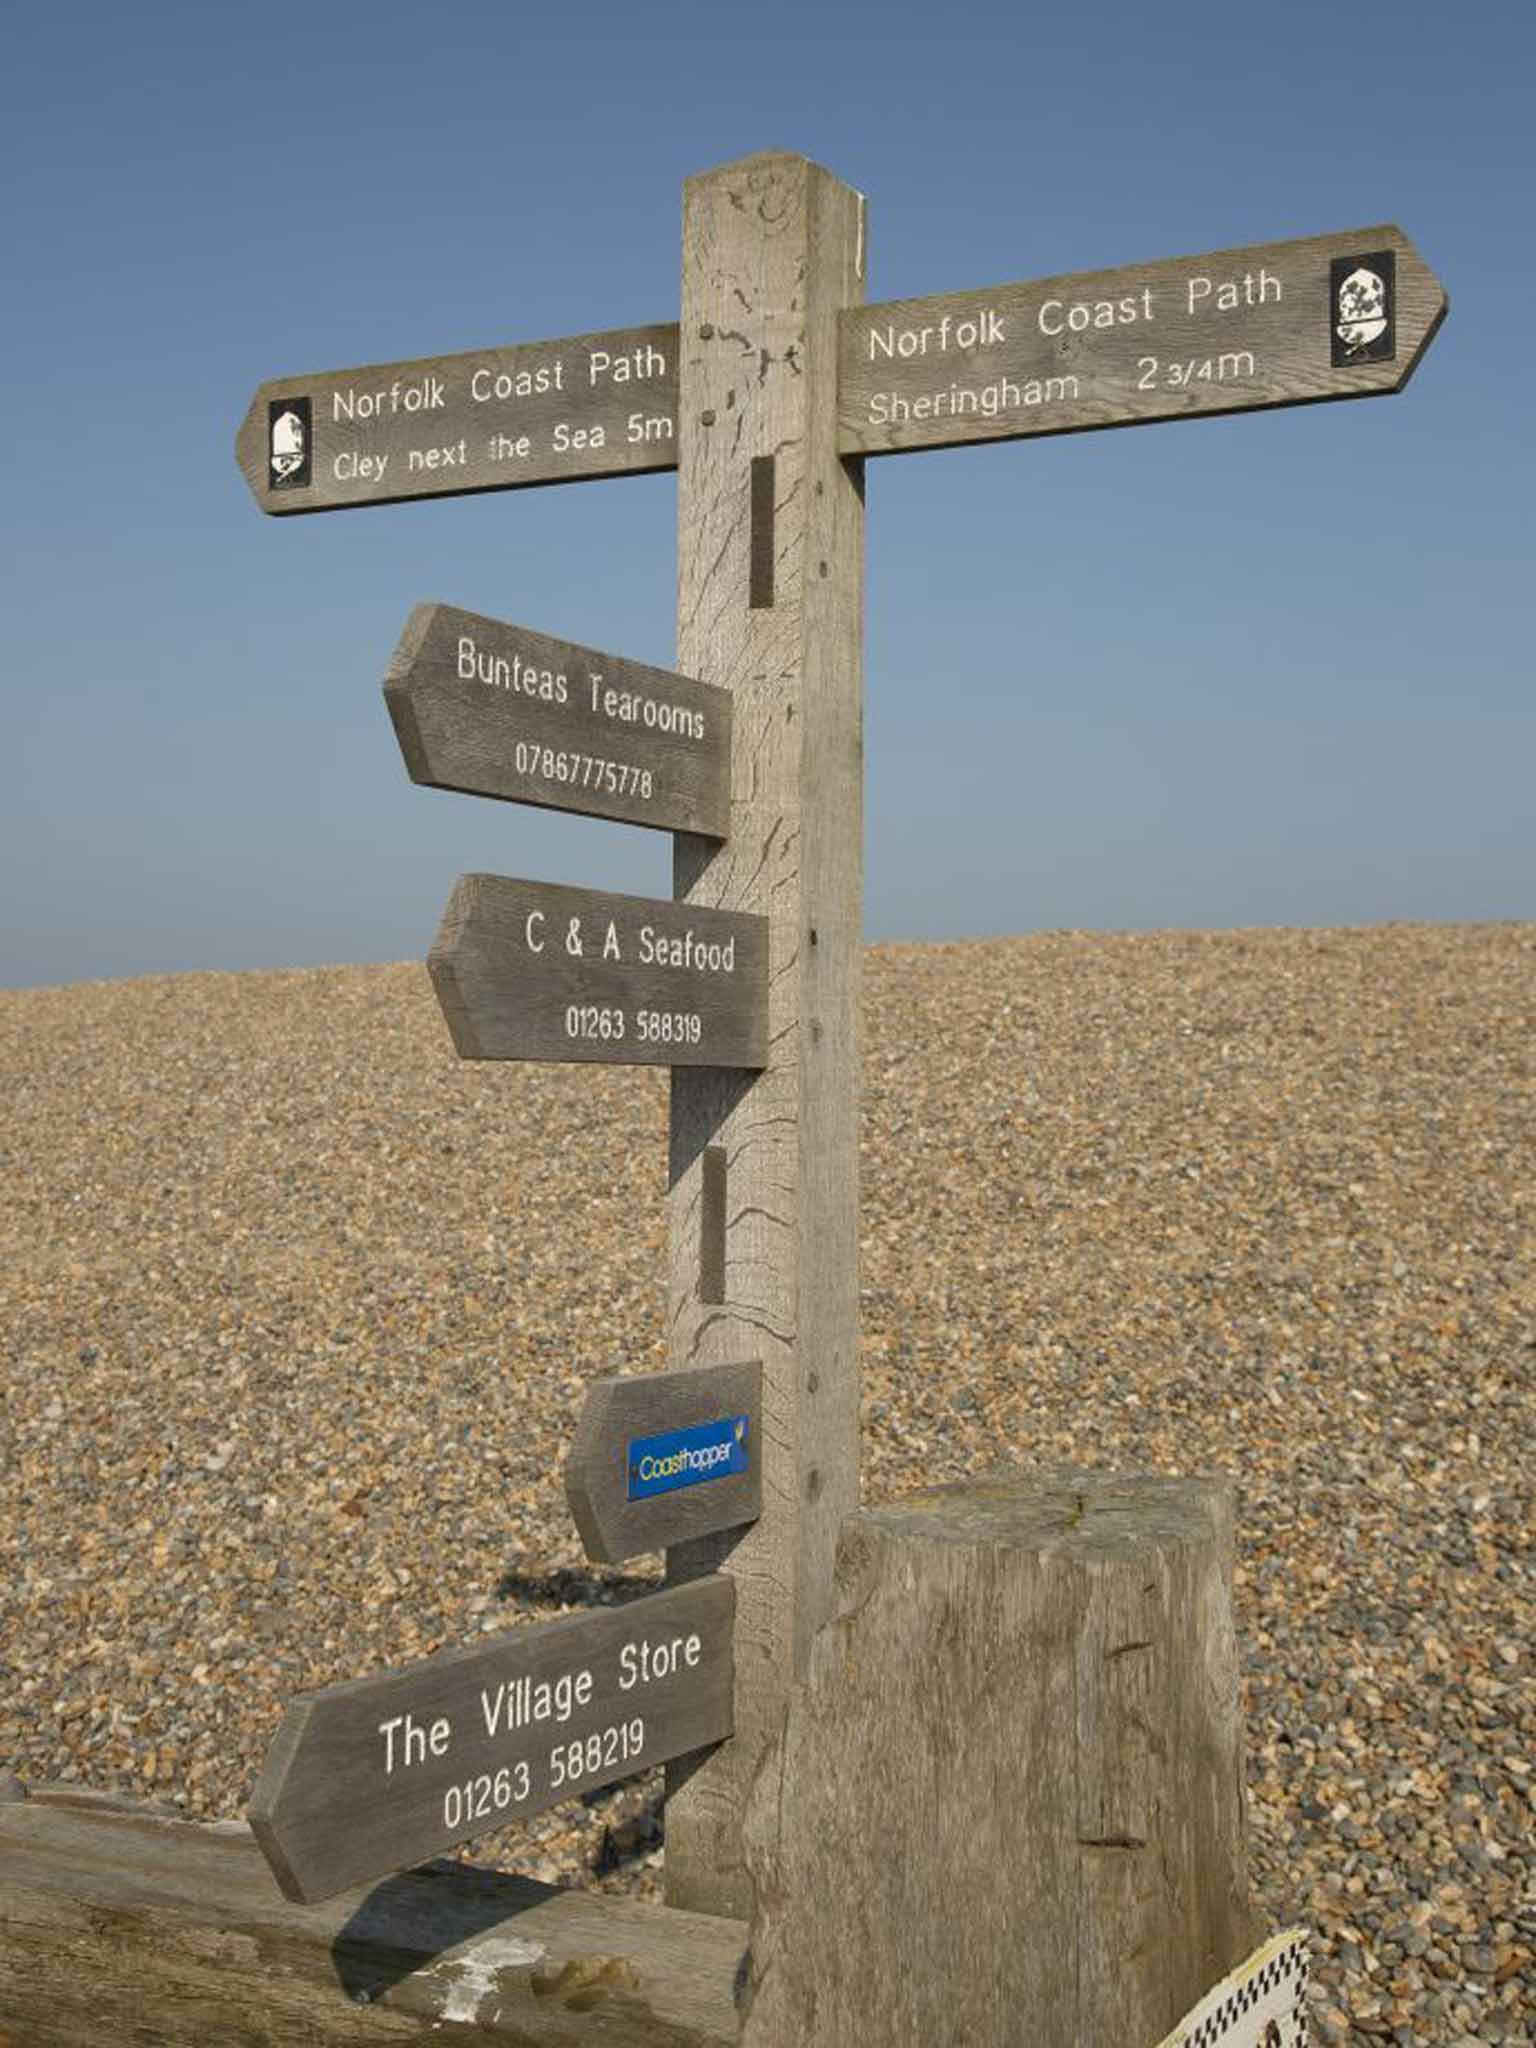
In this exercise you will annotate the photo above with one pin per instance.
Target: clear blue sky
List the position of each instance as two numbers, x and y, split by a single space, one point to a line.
1271 669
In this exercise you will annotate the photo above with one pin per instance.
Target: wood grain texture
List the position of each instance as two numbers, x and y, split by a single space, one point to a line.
361 1776
618 1410
1006 1804
498 710
490 419
128 1930
772 249
1229 332
507 979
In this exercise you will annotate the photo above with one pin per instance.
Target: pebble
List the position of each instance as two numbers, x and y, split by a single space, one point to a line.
297 1310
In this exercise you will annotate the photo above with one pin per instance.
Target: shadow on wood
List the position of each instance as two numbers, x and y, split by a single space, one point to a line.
121 1924
413 1919
568 1586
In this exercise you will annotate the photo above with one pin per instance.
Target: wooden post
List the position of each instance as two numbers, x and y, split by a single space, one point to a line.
1007 1803
763 1202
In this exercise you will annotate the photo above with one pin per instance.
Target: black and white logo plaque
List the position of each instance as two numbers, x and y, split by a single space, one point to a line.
1362 308
289 444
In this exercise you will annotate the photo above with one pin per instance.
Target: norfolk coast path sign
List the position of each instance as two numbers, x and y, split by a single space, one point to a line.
661 1457
377 1773
538 971
499 710
544 412
1278 323
1274 323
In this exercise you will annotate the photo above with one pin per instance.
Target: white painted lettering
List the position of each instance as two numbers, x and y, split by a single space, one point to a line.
1228 294
568 439
415 1741
634 707
423 394
454 457
642 361
1077 316
350 467
892 409
487 384
503 672
704 956
387 1730
645 1662
980 330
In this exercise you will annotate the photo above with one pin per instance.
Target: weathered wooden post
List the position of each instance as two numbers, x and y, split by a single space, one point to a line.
763 1169
1007 1805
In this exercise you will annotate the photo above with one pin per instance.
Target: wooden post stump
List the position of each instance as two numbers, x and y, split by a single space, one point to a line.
1006 1803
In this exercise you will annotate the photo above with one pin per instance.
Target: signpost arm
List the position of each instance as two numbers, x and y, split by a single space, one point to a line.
770 606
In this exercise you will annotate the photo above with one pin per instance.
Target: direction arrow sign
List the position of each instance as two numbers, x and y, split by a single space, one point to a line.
536 971
379 1773
498 710
660 1457
1280 323
491 419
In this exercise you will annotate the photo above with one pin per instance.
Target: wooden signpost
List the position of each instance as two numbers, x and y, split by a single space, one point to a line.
659 1458
535 971
499 710
376 1773
765 396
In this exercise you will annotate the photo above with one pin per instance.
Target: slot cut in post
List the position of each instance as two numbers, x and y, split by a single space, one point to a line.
760 575
712 1226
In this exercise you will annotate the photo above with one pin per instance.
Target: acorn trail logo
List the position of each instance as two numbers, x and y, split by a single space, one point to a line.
289 444
1362 302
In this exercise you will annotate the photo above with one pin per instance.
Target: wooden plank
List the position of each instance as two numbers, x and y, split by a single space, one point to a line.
498 710
134 1931
622 1418
772 249
376 1773
539 971
1024 1715
490 419
1278 323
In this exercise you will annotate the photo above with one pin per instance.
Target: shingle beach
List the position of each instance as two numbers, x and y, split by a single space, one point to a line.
296 1312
